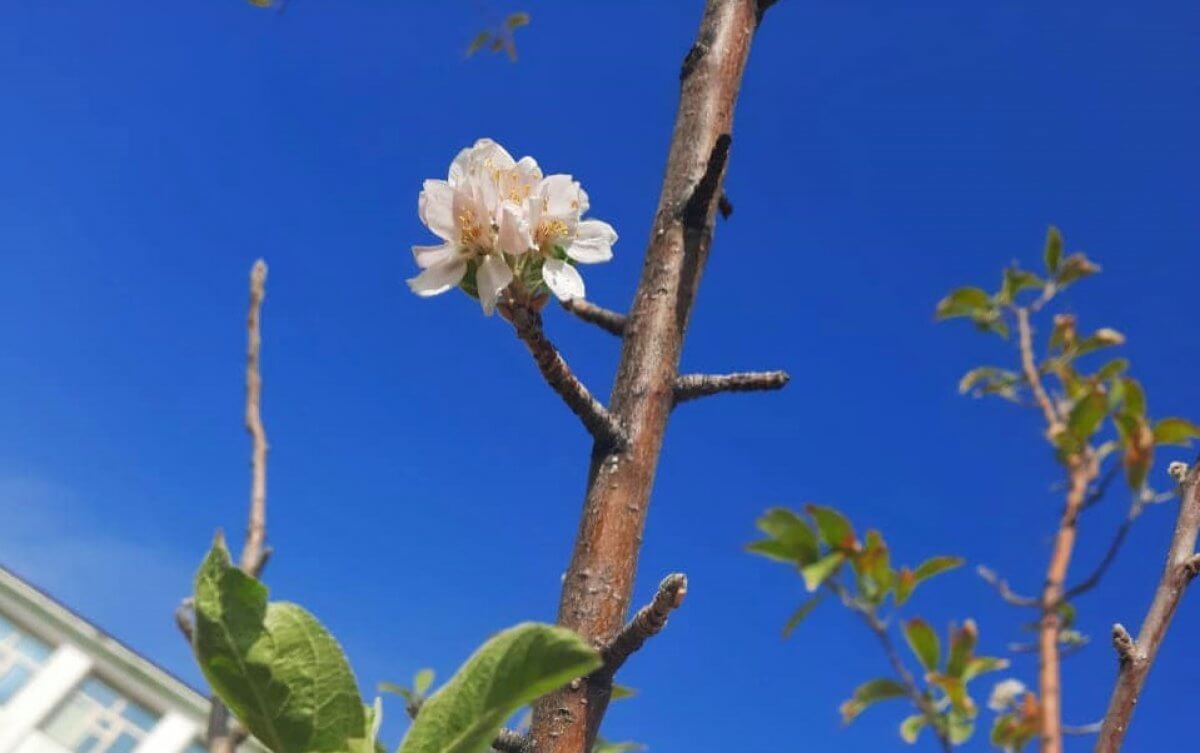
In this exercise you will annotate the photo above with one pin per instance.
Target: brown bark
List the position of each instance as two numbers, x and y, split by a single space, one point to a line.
1136 657
598 584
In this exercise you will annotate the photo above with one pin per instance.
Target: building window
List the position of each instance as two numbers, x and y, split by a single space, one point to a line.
98 719
20 657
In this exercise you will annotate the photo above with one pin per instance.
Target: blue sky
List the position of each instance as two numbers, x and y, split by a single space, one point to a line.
424 483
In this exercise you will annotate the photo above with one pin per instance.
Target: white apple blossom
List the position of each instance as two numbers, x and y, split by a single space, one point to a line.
500 220
1005 693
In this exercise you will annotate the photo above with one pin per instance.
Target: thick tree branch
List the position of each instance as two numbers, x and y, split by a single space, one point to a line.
598 582
1012 597
608 320
694 386
601 424
648 622
1137 656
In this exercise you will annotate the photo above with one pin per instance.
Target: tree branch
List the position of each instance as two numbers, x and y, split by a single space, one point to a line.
1054 424
598 582
608 320
1012 597
1110 556
694 386
648 622
1137 657
601 424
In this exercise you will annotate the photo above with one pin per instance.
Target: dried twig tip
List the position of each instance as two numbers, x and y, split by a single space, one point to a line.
1178 471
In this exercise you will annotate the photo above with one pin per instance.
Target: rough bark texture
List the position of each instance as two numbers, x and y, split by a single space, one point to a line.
1136 657
598 584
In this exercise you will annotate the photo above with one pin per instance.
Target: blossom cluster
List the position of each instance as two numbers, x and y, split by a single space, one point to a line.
506 227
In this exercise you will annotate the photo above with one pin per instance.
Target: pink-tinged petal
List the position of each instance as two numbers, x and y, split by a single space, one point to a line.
428 256
562 279
493 277
560 197
514 235
438 279
435 207
593 242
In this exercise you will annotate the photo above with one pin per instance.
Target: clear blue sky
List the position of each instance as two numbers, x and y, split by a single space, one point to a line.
425 485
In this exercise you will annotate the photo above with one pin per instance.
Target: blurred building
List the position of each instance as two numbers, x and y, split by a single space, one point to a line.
67 687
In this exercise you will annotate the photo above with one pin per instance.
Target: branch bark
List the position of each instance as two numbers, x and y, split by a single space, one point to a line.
608 320
599 580
1137 657
694 386
599 422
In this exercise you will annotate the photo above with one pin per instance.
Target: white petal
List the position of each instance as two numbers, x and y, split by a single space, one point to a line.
560 197
435 207
428 256
514 235
493 277
438 279
562 279
593 242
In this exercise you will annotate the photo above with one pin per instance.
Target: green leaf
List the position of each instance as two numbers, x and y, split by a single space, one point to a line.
835 529
1017 280
955 690
512 669
818 572
395 689
874 568
478 42
620 692
798 616
962 648
1105 337
422 680
872 691
278 670
963 302
516 20
911 727
923 642
792 539
1176 431
936 566
960 726
989 380
1086 415
982 665
1113 368
606 746
903 584
1054 250
1135 397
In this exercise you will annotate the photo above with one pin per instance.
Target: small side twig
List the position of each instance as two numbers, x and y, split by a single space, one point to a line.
601 424
694 386
254 553
1054 424
990 577
183 620
1082 729
1106 562
648 621
608 320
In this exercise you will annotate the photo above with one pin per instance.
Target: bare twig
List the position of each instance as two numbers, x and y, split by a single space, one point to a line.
601 424
1082 729
183 620
1012 597
1110 556
648 622
608 320
693 386
1054 424
1097 492
253 551
598 582
1137 657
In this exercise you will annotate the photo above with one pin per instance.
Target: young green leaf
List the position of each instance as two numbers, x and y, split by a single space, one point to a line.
911 727
963 302
835 529
1075 267
278 670
1054 250
872 691
508 671
798 616
1086 415
960 726
981 665
903 583
1135 397
924 643
1017 280
620 692
936 566
818 572
422 680
962 648
791 538
1175 431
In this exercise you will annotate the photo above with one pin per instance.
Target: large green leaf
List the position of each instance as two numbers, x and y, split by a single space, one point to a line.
872 691
278 670
510 670
924 643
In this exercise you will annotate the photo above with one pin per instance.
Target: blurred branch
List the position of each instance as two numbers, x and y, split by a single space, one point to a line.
1110 556
608 320
1012 597
1137 656
694 386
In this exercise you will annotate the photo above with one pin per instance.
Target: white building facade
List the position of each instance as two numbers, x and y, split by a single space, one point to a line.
67 687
